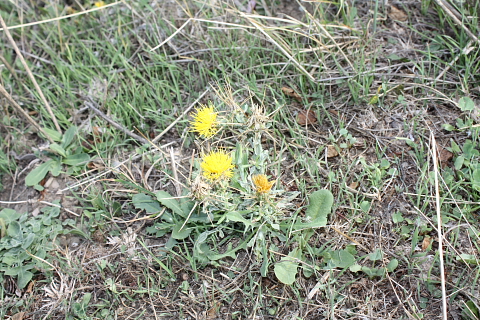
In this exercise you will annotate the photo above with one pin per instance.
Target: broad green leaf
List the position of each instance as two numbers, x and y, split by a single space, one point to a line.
392 265
286 270
55 168
466 104
170 202
178 233
76 159
145 202
365 206
68 136
397 217
54 134
28 240
340 259
235 216
376 255
23 278
321 202
37 174
55 147
9 215
469 258
374 272
14 229
476 179
355 268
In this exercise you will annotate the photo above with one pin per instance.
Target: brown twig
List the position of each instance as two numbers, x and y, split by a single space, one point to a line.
30 74
457 21
23 112
113 123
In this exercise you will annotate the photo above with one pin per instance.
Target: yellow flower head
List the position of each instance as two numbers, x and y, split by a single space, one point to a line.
99 4
205 121
217 165
261 183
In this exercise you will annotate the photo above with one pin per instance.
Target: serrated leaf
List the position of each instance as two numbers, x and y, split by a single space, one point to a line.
171 203
145 202
37 174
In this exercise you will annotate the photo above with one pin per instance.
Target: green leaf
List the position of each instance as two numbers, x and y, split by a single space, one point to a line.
448 127
468 258
68 136
286 270
376 255
355 268
28 241
171 203
459 162
145 202
476 179
180 234
321 202
14 229
365 206
397 217
236 216
55 168
37 174
58 149
76 159
374 272
340 259
392 265
53 134
9 215
23 278
466 104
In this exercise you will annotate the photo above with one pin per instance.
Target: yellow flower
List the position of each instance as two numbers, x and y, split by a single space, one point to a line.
217 165
99 4
261 183
205 121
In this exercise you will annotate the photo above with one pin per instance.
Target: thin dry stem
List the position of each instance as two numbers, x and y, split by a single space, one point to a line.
23 112
30 75
439 227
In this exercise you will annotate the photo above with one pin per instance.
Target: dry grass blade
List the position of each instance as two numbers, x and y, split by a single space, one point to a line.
23 112
30 75
439 227
261 28
457 21
115 124
59 18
